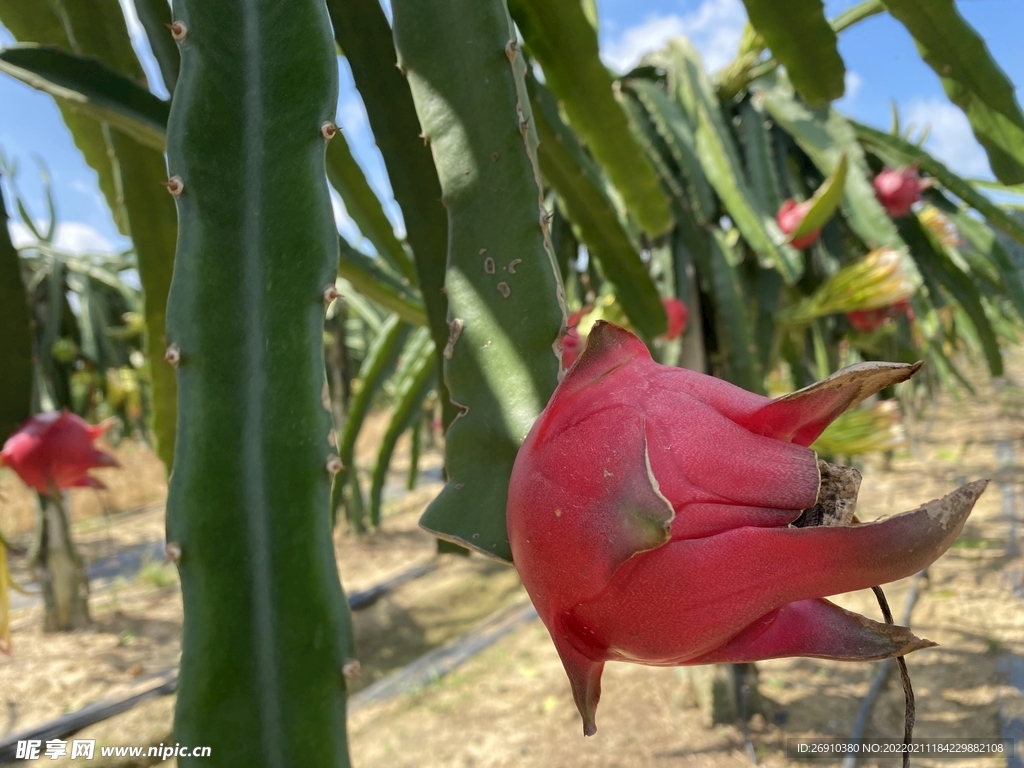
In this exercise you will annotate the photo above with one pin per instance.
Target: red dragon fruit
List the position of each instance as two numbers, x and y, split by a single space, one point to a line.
677 316
650 513
53 451
868 320
898 189
789 217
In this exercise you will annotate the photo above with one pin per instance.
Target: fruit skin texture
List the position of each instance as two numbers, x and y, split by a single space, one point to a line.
649 518
897 189
790 214
53 451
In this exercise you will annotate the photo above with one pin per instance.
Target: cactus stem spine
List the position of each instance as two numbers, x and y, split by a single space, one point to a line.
175 185
173 355
173 552
178 31
328 130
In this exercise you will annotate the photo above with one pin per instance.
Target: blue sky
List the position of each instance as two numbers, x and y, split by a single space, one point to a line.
882 66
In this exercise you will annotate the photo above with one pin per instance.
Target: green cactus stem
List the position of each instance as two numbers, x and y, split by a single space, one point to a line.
266 630
504 292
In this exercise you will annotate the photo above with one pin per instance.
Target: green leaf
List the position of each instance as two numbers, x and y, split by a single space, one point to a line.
971 78
563 41
377 365
363 32
675 130
936 265
995 186
856 13
825 200
503 286
127 144
364 206
15 337
984 242
759 152
97 28
90 86
566 166
739 364
803 41
757 226
155 17
377 282
414 382
898 152
657 152
153 227
825 135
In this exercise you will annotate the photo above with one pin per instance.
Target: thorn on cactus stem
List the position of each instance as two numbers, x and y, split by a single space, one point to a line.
426 139
489 265
511 49
545 218
504 290
173 552
178 31
350 669
175 185
334 465
328 130
454 331
400 68
513 264
173 355
330 294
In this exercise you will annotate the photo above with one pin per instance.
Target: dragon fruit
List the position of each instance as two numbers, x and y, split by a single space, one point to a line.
651 515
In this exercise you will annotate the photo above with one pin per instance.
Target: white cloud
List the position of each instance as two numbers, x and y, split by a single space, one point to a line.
714 28
854 83
951 139
71 236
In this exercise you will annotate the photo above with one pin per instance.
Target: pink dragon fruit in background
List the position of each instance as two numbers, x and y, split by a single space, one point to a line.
677 316
53 451
790 214
573 340
868 320
650 513
897 189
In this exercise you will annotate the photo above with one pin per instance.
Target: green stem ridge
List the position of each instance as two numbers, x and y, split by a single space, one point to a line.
363 32
559 35
504 292
266 630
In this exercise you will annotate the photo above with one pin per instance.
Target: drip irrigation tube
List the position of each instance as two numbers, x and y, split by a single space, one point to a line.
98 711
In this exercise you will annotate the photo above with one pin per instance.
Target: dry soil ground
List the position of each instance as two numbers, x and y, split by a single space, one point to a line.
510 705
